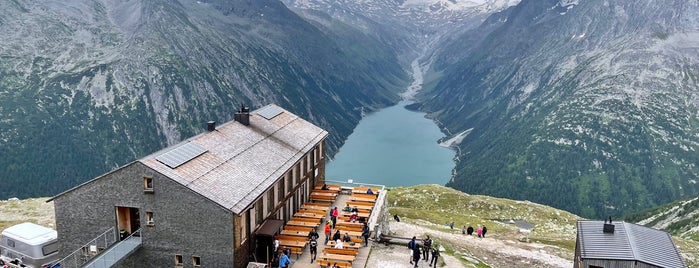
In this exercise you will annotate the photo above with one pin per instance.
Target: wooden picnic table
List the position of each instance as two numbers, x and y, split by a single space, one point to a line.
362 199
303 223
294 233
319 206
323 194
359 214
361 204
351 233
352 224
311 215
340 257
331 243
330 187
292 243
323 208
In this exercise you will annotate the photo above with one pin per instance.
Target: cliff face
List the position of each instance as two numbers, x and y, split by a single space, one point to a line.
87 86
589 106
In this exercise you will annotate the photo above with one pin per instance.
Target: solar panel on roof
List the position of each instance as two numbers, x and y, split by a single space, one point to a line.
180 155
270 112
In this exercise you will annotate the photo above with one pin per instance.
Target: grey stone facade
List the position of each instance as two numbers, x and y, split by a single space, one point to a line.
185 223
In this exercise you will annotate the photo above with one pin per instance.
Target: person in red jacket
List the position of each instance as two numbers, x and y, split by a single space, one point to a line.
327 232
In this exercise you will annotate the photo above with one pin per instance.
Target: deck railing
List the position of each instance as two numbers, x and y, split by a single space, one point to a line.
116 252
88 251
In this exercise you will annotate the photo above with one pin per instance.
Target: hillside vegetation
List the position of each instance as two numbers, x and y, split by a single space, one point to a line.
554 231
36 210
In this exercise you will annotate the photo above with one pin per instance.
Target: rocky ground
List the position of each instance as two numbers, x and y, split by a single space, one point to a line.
496 250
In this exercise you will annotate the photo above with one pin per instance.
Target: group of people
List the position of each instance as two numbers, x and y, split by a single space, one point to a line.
418 252
480 231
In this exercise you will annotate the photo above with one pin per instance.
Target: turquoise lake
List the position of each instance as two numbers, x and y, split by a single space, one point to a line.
394 147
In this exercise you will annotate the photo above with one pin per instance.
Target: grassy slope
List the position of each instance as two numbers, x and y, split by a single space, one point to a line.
34 210
439 205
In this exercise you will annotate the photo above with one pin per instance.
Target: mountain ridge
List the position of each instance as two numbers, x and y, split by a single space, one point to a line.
598 112
88 86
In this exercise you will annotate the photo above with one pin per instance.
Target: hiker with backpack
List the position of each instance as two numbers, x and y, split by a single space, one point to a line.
411 245
416 254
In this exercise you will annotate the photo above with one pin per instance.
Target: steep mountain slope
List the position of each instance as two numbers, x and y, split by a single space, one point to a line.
680 218
589 106
86 86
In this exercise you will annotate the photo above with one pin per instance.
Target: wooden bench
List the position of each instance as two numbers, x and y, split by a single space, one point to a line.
291 238
346 223
313 220
319 206
343 251
369 196
298 228
312 210
322 198
325 191
359 204
363 190
294 250
343 228
342 264
303 223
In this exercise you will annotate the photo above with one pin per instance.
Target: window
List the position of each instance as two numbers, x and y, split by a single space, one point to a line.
148 184
289 183
178 260
196 260
259 212
49 248
298 170
10 243
282 187
270 200
149 218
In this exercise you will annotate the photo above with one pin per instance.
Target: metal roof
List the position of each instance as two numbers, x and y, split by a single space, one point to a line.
628 242
242 162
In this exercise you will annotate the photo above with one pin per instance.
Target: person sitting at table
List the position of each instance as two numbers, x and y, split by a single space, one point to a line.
347 208
369 191
353 217
338 244
337 235
325 187
347 238
355 209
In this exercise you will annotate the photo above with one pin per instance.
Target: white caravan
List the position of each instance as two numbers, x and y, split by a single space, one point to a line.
28 245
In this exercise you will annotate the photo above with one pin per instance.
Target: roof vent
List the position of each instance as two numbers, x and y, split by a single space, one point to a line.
211 126
608 227
243 116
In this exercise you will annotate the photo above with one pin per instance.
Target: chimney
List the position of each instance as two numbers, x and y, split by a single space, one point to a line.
608 227
211 126
243 116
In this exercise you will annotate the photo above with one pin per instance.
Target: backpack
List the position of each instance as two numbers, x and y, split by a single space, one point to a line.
411 244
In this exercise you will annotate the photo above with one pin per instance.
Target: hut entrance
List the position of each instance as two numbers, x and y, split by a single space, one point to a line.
128 221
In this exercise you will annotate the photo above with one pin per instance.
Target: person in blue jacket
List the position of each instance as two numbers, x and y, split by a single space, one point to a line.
284 261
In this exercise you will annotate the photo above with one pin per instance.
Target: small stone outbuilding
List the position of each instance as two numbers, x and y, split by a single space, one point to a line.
607 244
